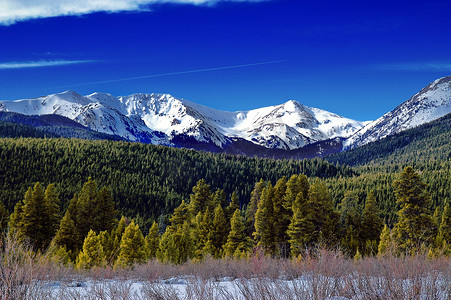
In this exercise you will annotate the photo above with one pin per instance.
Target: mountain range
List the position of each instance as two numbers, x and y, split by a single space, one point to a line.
286 130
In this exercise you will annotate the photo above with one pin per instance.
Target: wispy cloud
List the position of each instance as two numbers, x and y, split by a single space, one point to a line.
40 63
12 11
178 73
420 66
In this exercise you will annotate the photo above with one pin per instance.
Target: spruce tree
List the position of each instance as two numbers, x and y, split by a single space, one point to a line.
233 205
95 209
34 218
15 222
385 243
180 216
218 233
321 213
264 219
295 185
3 218
444 231
202 225
92 254
253 206
68 235
219 197
415 227
52 213
152 241
372 224
238 243
176 245
282 218
300 226
351 224
201 197
132 249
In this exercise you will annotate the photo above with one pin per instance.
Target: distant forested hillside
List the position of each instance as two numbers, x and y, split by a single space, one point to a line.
145 180
427 148
149 181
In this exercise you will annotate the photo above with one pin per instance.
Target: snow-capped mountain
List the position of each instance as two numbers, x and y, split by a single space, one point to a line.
431 103
163 119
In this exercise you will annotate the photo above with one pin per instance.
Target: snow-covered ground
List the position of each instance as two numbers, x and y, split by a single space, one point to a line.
353 286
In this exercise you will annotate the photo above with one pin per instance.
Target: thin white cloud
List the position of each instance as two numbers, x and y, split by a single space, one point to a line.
39 63
12 11
422 66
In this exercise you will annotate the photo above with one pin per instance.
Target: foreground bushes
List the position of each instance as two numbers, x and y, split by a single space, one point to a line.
321 274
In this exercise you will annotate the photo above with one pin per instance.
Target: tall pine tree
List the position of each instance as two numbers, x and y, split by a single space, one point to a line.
238 243
415 227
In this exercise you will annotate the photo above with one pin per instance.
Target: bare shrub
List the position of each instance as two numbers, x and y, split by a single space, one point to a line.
24 274
159 291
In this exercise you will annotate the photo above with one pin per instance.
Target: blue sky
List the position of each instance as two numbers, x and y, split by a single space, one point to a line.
359 59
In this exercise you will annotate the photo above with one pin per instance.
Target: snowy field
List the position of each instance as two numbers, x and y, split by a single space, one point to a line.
353 286
326 275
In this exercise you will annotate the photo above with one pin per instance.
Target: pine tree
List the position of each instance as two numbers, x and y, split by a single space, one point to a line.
15 222
105 213
112 241
295 185
351 224
201 198
202 225
33 220
180 216
238 243
415 227
218 233
321 213
132 249
264 220
233 205
176 245
51 213
372 225
66 237
282 218
385 243
444 231
94 209
300 227
92 254
152 241
3 217
219 197
253 206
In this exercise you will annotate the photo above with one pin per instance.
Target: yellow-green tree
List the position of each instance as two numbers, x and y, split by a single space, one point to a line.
386 242
218 233
132 249
152 241
238 243
415 227
92 254
264 234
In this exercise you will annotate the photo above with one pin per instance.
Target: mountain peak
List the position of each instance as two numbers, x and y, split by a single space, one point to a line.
431 103
292 105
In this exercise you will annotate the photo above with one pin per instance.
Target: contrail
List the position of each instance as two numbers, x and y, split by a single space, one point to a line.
177 73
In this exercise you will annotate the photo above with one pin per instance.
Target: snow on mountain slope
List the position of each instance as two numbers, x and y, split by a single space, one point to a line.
431 103
159 118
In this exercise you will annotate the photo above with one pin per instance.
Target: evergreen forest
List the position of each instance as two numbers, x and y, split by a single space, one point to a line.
96 203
